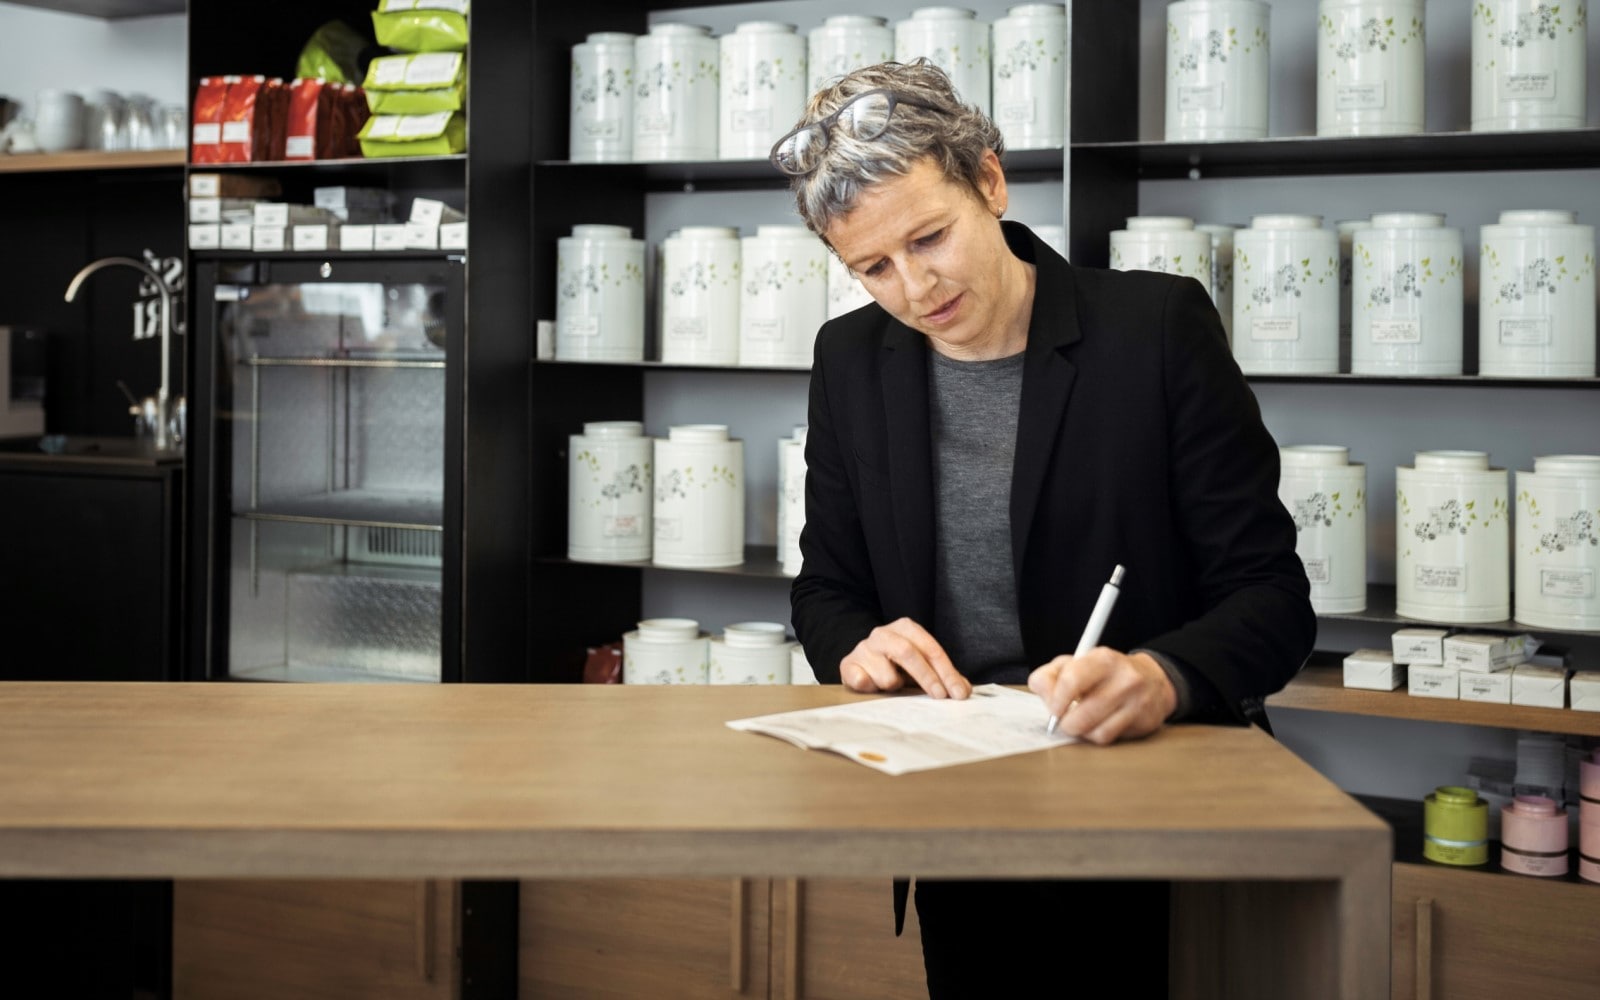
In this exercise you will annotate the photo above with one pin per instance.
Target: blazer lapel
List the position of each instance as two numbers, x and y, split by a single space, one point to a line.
904 378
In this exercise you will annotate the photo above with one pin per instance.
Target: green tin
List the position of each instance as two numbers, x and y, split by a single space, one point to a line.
1455 826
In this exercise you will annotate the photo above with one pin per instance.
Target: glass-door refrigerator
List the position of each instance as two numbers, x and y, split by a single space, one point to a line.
325 447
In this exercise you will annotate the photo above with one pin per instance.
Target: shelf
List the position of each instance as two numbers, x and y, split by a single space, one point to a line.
1319 687
1380 610
249 255
110 9
90 159
760 562
257 362
1436 152
656 366
1483 381
355 508
357 162
1404 817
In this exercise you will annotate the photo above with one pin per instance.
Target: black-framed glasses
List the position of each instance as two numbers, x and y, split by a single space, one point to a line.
864 116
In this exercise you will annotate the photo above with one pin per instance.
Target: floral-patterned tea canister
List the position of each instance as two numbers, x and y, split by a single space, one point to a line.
1452 539
843 43
608 492
675 93
699 292
763 89
1406 296
1165 243
845 291
1030 76
953 39
600 295
751 653
1369 67
784 298
1286 312
1327 496
1558 543
1217 69
1536 296
1347 235
1529 65
664 651
791 499
1221 270
602 98
699 508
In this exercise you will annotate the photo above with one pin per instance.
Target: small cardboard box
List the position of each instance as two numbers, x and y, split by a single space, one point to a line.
1485 652
1427 680
1373 670
355 237
452 236
209 185
1540 687
1492 687
389 236
267 239
422 236
1585 691
1419 645
238 236
204 236
430 212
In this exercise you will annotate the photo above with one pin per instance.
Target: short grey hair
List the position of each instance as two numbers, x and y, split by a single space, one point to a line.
955 138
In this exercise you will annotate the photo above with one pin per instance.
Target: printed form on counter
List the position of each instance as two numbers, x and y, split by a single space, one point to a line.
898 734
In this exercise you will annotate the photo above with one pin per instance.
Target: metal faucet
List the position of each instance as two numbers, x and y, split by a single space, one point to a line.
163 398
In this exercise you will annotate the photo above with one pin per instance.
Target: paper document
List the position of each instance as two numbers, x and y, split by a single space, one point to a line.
906 733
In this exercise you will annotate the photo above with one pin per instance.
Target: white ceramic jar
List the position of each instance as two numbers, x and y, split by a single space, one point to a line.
664 651
1558 543
1221 270
600 295
1217 69
784 270
843 43
1165 243
699 292
609 492
58 120
1406 296
763 88
1369 67
1529 64
1286 315
1347 234
751 653
1326 494
953 39
845 291
1452 539
699 504
675 93
1029 86
800 671
791 499
602 98
1536 296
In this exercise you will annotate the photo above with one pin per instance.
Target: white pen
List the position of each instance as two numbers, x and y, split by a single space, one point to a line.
1096 625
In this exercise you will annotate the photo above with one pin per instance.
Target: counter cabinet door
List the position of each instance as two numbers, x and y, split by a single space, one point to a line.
833 939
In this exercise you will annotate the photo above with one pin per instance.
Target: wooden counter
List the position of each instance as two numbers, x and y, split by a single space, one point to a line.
457 781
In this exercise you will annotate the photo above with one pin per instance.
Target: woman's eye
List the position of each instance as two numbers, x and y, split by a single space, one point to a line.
931 239
875 270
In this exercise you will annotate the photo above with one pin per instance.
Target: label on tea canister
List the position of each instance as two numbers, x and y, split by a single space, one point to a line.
1361 96
1016 112
752 120
1525 331
764 329
622 526
1528 86
1319 570
653 123
1275 328
580 326
1442 579
1200 97
1578 583
669 529
686 328
592 129
1396 331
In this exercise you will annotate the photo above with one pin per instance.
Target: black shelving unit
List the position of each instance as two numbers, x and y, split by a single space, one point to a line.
761 562
1380 610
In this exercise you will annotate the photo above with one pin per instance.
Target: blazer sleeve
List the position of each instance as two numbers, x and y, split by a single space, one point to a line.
1256 626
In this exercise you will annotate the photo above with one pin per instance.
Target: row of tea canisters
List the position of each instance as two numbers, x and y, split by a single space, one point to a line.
1528 67
677 93
676 651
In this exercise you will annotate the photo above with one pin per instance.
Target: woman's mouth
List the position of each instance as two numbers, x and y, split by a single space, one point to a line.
944 313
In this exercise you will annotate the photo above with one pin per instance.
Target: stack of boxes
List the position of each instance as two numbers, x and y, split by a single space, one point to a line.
1472 666
418 98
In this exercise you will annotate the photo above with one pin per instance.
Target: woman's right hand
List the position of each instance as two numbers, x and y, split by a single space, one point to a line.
902 649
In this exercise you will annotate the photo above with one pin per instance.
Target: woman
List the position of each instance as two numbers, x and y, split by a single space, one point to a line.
986 443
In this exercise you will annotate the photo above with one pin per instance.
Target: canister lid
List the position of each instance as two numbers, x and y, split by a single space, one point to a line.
705 233
754 634
1538 217
800 433
1408 220
1586 466
1455 795
1286 221
1452 461
943 14
1533 806
1314 455
1037 10
698 433
1159 222
613 429
784 233
855 21
669 29
611 38
669 629
764 28
590 231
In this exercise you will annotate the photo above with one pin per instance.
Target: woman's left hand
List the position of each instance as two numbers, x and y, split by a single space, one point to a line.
1105 696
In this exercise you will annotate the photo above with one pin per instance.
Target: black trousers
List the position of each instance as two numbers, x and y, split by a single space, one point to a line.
1031 938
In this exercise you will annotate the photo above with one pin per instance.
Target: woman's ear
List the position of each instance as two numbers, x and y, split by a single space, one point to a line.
992 183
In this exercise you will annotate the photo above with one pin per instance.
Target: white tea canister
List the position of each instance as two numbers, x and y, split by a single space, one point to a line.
1166 243
609 492
1406 296
1029 86
675 93
800 671
58 120
1452 539
1326 494
1347 234
843 43
784 270
763 88
1536 296
1529 64
791 499
602 98
953 39
1286 315
845 291
1558 543
664 651
1217 70
751 653
699 505
1221 270
600 295
1369 67
699 292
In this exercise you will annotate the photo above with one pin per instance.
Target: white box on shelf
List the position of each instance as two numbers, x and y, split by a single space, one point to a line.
1419 645
204 236
1488 687
213 209
1541 687
1427 680
452 236
238 236
315 237
389 236
544 343
1585 691
1485 652
355 237
430 212
281 213
1373 670
421 236
269 238
344 199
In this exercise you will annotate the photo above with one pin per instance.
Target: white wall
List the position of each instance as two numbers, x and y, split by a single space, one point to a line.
42 49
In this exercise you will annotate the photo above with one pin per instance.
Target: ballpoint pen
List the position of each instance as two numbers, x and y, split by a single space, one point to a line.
1092 630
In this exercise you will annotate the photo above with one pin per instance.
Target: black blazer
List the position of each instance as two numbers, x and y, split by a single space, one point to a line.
1138 442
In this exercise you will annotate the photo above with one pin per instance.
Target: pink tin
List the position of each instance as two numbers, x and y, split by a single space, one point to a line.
1533 837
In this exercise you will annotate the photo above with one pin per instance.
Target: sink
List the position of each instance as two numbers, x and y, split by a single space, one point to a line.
82 447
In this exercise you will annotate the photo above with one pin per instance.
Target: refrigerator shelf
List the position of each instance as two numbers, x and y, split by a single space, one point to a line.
355 508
